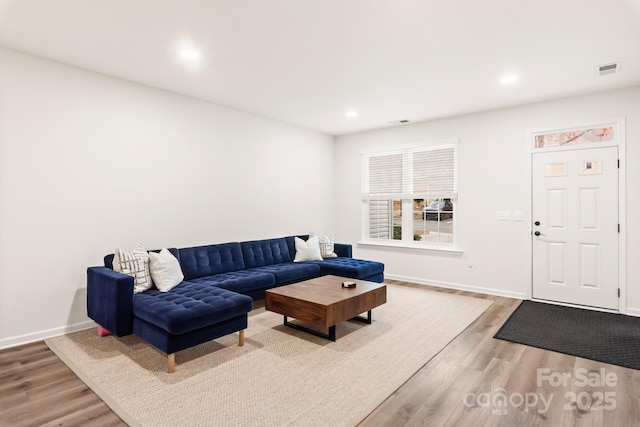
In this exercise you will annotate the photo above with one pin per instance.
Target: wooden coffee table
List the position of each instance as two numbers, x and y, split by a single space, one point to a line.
324 303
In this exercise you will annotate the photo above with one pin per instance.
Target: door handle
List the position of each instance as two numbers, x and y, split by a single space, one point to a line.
537 233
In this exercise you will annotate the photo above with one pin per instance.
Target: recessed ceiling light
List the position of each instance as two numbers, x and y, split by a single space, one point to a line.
509 79
190 54
351 114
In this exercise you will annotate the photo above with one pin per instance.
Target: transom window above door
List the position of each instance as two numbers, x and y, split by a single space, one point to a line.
586 135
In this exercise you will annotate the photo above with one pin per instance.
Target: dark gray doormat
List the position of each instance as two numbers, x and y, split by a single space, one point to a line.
603 337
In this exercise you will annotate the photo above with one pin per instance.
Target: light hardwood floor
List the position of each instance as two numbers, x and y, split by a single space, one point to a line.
37 389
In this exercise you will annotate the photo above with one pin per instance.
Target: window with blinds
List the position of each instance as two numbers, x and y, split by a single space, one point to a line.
410 193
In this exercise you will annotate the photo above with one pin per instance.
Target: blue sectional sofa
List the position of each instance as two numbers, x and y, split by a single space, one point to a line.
221 281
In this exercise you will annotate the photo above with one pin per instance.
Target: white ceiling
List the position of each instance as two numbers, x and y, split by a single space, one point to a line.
307 62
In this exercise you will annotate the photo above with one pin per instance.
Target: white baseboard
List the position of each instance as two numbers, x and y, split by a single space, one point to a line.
50 333
42 335
481 290
459 287
633 312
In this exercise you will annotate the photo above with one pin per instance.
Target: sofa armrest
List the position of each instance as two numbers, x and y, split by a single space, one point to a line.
343 250
110 300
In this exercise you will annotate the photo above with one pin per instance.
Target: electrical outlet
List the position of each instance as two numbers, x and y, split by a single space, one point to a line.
504 216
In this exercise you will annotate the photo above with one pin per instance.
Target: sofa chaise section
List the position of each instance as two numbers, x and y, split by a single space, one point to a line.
189 315
354 268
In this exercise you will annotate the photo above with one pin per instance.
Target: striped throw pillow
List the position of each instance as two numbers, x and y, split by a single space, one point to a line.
134 263
326 245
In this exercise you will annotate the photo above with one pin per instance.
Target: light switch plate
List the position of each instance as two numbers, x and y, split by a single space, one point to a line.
518 216
504 216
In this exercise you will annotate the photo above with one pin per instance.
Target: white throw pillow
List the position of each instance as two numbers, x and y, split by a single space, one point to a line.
165 270
326 245
307 251
135 264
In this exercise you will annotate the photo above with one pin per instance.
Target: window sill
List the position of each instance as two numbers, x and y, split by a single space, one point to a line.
417 247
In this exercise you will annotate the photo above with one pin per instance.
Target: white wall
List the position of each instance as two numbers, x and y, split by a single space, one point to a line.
89 163
493 175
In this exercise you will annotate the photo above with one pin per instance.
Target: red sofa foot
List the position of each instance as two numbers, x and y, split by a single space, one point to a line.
103 332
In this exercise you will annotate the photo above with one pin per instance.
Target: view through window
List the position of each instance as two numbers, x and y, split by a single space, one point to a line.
410 194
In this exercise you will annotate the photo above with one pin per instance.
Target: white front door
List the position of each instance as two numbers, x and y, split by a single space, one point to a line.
575 227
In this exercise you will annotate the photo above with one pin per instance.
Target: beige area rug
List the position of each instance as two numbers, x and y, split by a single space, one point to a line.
281 376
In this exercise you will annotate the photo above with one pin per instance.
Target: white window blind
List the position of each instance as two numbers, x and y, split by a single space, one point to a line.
412 173
380 219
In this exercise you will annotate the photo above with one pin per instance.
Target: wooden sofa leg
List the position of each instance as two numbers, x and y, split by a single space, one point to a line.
171 358
241 340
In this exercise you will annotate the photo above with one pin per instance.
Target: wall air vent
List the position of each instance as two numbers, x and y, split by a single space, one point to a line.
604 70
399 122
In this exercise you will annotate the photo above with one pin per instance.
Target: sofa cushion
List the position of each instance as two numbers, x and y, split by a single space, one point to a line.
291 243
326 244
350 267
108 259
134 263
307 251
201 261
165 270
189 306
258 253
239 281
289 272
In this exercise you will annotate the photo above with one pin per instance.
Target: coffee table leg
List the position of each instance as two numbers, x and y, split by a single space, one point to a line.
330 336
362 319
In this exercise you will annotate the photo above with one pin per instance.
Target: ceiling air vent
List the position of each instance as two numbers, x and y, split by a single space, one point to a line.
399 122
604 70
